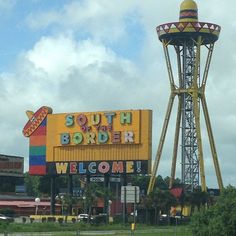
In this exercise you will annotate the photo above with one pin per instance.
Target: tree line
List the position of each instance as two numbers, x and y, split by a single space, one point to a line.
211 215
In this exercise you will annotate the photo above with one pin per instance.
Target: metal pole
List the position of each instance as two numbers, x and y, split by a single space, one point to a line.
124 206
53 200
70 192
106 186
135 200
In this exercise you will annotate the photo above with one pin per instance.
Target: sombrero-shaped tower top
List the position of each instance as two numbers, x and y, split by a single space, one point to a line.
188 27
188 11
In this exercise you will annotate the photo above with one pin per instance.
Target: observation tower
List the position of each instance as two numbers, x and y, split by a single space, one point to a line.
187 38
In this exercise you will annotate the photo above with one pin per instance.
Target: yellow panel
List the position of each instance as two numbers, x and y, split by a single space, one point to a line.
140 149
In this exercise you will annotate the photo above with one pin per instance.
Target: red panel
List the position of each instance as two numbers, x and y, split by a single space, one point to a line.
176 192
37 170
41 130
39 140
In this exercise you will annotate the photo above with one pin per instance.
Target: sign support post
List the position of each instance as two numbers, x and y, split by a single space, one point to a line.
53 201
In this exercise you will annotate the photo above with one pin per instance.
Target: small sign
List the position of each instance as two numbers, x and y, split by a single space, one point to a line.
115 179
130 194
97 179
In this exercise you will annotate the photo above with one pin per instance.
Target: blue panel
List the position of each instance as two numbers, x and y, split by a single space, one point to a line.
44 122
37 160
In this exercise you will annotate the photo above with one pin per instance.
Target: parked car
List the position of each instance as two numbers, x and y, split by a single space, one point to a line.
84 217
7 219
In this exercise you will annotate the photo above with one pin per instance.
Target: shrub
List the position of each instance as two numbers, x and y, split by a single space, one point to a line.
118 219
219 219
51 219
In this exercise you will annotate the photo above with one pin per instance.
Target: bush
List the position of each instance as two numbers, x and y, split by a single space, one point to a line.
118 219
99 219
51 219
219 219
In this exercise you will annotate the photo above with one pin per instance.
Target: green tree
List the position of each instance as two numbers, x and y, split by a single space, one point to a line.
140 180
199 198
146 204
32 185
219 219
161 200
161 183
93 192
45 184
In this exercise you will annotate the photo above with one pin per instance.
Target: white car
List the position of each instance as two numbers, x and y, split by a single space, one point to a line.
84 217
6 218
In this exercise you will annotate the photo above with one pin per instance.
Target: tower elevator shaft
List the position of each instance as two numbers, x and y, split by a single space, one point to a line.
189 145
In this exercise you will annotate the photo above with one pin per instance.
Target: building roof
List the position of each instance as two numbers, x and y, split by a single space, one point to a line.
23 203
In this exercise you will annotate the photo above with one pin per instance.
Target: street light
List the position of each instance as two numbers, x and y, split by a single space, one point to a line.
61 200
37 201
62 204
109 210
84 202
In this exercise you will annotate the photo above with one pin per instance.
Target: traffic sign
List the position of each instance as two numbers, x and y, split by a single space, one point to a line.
130 194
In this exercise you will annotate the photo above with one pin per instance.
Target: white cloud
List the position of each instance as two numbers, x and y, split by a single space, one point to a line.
68 76
7 4
103 20
89 74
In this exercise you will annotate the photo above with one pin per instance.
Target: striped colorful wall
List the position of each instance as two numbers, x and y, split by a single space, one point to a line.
37 150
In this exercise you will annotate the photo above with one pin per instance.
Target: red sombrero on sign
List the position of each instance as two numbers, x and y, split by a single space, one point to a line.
35 119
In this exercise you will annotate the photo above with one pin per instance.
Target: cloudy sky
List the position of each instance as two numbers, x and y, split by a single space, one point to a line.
89 55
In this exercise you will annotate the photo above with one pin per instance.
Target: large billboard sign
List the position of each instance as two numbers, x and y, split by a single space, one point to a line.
89 142
11 165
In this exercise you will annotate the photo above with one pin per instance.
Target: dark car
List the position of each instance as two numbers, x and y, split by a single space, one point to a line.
7 219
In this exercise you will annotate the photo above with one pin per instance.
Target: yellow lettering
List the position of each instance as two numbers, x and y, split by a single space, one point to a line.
129 167
61 168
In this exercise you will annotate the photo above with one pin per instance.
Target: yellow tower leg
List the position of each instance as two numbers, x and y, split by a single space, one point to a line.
212 143
161 143
176 142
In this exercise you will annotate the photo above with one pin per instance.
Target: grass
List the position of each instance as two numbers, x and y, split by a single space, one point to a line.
70 229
